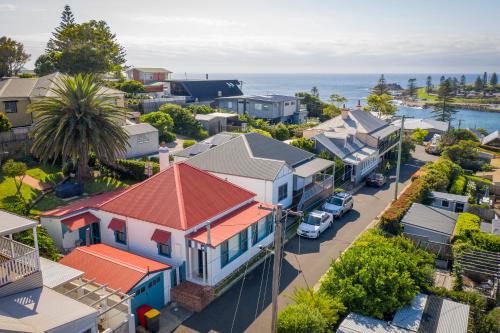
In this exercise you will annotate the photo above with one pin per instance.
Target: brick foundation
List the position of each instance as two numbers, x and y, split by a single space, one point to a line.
192 296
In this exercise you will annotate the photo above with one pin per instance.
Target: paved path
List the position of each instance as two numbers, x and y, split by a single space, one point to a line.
35 183
311 257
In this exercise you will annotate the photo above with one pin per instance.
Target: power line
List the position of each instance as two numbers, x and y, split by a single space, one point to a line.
239 296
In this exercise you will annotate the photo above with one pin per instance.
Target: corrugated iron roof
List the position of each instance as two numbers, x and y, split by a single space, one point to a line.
79 221
431 218
108 265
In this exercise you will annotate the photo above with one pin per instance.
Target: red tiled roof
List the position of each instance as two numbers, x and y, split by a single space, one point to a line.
79 221
108 265
161 236
179 197
116 225
231 224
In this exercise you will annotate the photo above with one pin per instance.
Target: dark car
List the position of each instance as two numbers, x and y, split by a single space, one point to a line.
376 179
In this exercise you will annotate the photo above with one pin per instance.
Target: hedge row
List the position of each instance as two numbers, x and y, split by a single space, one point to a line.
458 185
467 231
389 221
133 169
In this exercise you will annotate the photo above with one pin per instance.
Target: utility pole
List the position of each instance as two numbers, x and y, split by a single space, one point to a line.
278 234
398 167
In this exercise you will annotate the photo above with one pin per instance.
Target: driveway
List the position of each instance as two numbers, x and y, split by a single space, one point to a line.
305 261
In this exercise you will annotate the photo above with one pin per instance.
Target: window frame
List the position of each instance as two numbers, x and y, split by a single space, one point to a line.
5 103
224 248
445 205
117 238
168 253
268 225
280 198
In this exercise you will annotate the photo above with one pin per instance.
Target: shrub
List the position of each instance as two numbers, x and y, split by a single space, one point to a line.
184 121
281 132
162 122
133 169
492 320
300 318
416 192
131 87
261 131
467 231
188 143
15 204
5 124
458 185
303 143
46 244
378 275
200 109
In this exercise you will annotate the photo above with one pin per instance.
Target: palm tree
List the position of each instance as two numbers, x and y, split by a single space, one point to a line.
78 120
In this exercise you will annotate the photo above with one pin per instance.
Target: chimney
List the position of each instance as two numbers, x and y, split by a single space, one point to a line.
344 113
163 156
358 106
206 76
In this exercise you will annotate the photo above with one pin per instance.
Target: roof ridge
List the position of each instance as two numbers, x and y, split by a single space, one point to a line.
180 196
111 259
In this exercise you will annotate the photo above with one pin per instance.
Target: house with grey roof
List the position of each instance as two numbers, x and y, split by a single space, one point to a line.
361 140
216 122
431 223
492 139
274 108
426 313
275 171
449 201
143 140
203 145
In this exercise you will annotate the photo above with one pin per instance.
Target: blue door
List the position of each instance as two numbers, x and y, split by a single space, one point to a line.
151 292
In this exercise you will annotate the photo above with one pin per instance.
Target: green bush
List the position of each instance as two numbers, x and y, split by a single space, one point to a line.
281 132
378 275
492 320
300 318
14 204
467 231
134 169
46 245
458 185
303 143
184 121
187 143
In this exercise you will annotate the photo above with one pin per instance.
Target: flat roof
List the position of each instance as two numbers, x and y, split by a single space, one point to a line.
431 218
214 115
450 196
312 167
12 223
55 274
357 323
41 310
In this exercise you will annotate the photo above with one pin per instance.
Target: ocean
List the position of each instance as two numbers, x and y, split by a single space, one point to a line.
354 87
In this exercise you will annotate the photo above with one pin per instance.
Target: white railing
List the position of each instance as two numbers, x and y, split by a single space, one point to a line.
21 260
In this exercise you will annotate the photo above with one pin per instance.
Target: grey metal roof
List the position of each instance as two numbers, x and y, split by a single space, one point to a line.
137 129
366 122
42 310
55 274
16 87
264 98
215 115
491 228
265 147
384 131
337 145
235 158
409 316
11 223
356 323
449 196
444 316
414 123
431 218
206 144
313 166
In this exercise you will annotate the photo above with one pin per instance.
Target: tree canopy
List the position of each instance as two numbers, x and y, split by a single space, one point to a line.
162 122
16 170
381 104
88 47
444 110
313 104
5 124
184 121
76 121
378 275
12 56
381 88
419 135
303 143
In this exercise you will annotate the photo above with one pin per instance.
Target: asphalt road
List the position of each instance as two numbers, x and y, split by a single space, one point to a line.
305 261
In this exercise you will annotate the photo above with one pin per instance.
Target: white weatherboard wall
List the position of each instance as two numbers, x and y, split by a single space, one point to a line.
54 227
431 235
266 190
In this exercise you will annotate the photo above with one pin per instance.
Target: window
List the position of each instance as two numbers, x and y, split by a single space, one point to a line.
445 203
233 247
258 106
287 103
262 229
229 105
143 138
283 192
10 106
121 237
164 249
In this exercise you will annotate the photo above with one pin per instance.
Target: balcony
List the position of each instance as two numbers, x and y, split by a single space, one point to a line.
322 186
16 261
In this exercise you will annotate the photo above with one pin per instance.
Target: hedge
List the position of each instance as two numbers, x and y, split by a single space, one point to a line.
467 231
458 185
392 216
134 169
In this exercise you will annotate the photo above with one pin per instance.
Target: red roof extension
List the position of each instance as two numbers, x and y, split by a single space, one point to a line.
79 221
232 224
108 265
179 197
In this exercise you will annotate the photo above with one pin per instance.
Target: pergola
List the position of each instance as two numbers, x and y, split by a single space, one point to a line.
483 266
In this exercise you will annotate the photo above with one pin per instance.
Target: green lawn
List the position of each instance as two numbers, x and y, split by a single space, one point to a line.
104 184
46 173
8 189
421 94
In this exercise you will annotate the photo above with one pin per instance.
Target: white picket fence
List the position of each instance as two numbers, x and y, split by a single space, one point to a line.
16 260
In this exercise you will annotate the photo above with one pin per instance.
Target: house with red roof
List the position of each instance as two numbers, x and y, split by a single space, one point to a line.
148 280
203 226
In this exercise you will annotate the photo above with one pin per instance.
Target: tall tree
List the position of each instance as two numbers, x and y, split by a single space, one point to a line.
462 83
45 64
76 121
455 85
444 110
412 87
315 91
441 79
12 56
381 87
428 84
485 82
493 80
88 47
337 99
478 84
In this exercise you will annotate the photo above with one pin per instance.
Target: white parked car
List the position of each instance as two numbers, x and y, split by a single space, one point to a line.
316 222
338 204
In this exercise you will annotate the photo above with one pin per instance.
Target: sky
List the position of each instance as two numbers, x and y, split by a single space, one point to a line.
292 36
